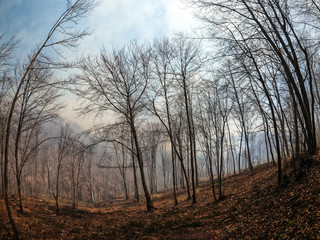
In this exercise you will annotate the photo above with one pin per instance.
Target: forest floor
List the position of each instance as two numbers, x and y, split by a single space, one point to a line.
253 208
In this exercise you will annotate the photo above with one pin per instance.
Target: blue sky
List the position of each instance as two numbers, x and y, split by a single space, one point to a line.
115 23
28 20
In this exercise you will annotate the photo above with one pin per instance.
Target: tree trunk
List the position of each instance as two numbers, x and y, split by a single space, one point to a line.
211 172
246 137
49 179
194 145
163 158
56 195
18 178
266 141
125 187
240 149
2 165
123 172
232 153
136 188
73 190
174 177
221 161
140 161
185 170
194 198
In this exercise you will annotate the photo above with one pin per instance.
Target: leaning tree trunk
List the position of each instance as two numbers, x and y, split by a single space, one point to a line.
194 198
18 178
56 195
2 165
136 189
140 161
174 177
211 171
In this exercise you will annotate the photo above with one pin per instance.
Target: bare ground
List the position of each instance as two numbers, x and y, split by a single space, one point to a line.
253 208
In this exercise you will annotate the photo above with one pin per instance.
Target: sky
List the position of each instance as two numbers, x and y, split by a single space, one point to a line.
115 23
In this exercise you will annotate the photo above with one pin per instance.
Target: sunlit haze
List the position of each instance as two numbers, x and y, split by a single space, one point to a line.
114 24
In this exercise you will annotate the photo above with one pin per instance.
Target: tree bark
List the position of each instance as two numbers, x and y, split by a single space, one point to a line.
136 188
150 206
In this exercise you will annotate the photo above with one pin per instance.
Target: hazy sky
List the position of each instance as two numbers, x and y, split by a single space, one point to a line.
115 23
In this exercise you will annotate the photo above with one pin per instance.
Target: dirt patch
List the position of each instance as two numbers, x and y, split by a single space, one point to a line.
253 208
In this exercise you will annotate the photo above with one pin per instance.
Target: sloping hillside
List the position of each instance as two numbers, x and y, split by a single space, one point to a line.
253 208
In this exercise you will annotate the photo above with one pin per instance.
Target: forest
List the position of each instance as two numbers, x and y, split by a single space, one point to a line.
194 109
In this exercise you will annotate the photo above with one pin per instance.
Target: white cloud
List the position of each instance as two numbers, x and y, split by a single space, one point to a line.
115 23
180 16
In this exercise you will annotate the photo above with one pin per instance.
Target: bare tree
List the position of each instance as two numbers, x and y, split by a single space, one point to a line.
75 161
120 80
64 145
269 37
151 140
205 121
71 16
242 108
36 107
121 156
165 164
6 51
89 176
135 179
163 92
119 152
222 111
186 65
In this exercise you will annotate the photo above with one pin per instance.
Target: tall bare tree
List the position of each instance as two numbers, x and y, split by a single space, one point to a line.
6 51
74 12
120 80
36 107
151 140
65 140
76 157
186 67
163 93
269 37
205 121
